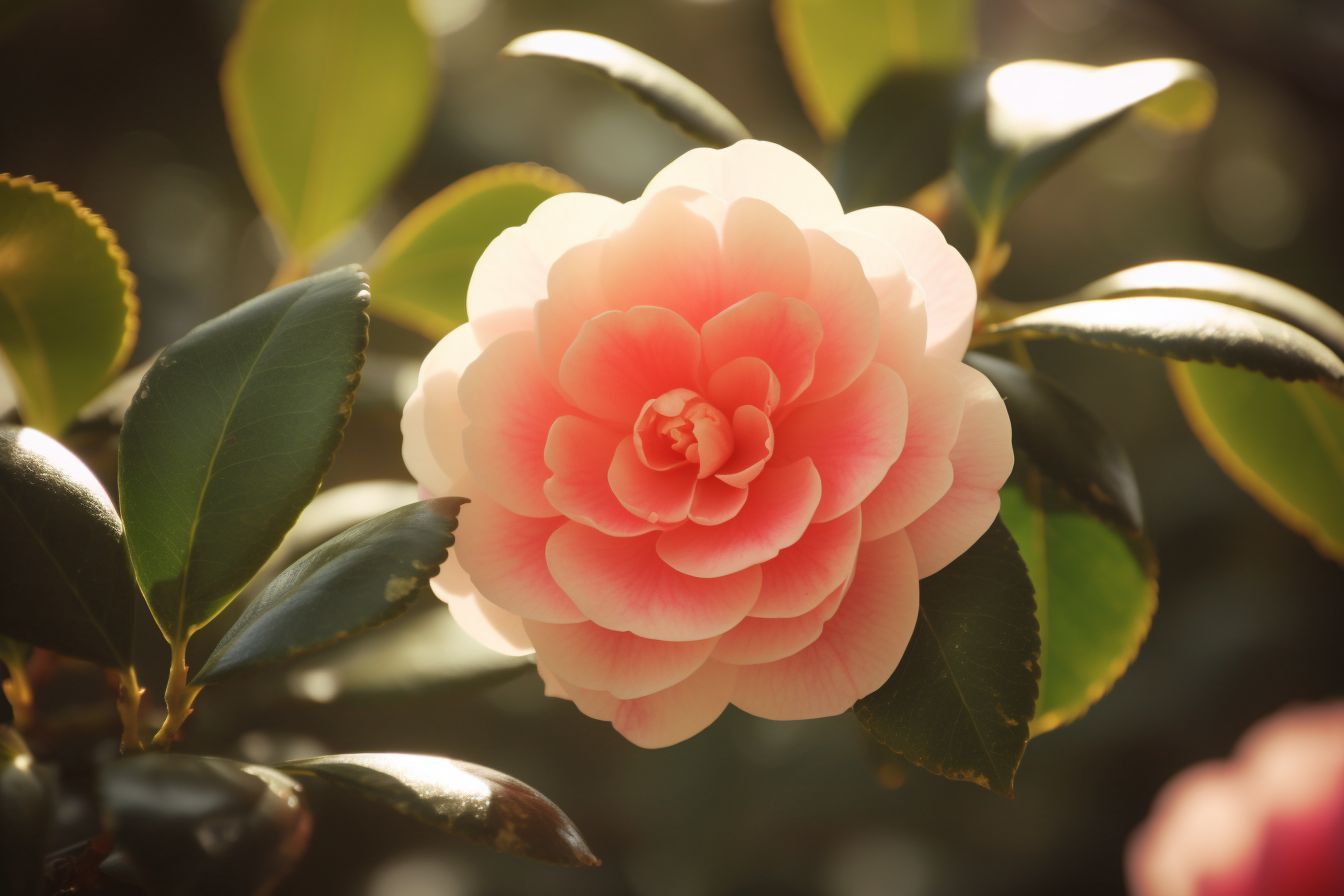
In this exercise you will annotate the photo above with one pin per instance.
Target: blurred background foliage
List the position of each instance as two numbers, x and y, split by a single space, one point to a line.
119 102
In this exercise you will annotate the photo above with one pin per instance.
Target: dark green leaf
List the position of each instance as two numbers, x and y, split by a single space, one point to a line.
1039 112
357 580
421 270
1185 330
228 439
1096 591
64 580
459 798
837 52
1224 283
25 816
667 92
68 312
1069 445
960 702
202 825
325 103
1282 442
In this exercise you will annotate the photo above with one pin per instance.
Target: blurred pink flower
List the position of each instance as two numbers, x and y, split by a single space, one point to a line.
1267 822
713 437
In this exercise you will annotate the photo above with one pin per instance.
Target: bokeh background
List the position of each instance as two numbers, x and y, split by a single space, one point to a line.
118 101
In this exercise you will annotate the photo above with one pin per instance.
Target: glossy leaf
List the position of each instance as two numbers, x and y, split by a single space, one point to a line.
1096 591
68 312
325 102
1039 112
421 271
1065 441
902 135
204 825
960 701
667 92
1224 283
1282 442
64 580
229 436
26 811
1185 330
837 52
357 580
424 650
459 798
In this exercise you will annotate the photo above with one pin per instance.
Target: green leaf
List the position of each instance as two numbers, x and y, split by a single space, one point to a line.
960 702
26 811
421 271
1184 330
1039 112
64 581
68 312
902 135
1096 591
203 825
1227 284
1282 442
667 92
357 580
1066 442
325 102
459 798
229 437
837 52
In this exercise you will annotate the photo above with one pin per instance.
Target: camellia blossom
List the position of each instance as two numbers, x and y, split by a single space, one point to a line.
713 438
1268 821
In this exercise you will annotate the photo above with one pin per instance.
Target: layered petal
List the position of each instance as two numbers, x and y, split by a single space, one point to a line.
744 381
760 640
858 649
656 496
763 251
783 332
432 422
807 571
496 628
623 584
579 453
847 306
618 663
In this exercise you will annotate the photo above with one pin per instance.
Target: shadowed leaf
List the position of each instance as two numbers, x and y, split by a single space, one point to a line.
26 804
459 798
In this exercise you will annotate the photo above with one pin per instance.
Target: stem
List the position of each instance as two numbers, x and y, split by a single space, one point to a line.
18 690
129 693
990 255
177 698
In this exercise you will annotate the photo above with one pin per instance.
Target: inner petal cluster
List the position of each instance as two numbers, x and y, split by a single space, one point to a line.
680 428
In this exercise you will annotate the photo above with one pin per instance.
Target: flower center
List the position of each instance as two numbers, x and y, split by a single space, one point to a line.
679 427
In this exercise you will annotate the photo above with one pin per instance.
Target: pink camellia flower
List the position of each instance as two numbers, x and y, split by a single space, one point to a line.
713 438
1268 822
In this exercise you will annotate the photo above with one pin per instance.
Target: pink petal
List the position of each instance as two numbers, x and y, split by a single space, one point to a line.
753 446
621 359
982 458
847 305
510 276
858 649
715 502
621 584
620 663
779 507
683 710
658 496
784 332
433 420
949 286
579 453
806 572
744 381
903 329
511 407
853 438
758 640
574 295
914 484
497 629
763 251
757 169
505 555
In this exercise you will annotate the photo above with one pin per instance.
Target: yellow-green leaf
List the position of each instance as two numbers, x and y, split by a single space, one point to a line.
68 312
421 271
837 52
1281 441
325 101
